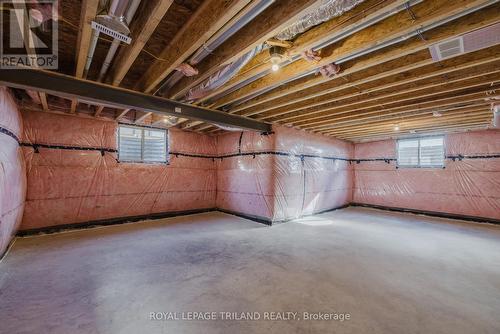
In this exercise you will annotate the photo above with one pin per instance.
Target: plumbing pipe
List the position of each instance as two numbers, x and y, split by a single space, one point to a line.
399 39
332 39
115 9
496 116
116 43
220 37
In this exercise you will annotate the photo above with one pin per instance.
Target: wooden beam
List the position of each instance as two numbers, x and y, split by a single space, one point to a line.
405 92
482 119
390 28
211 16
402 117
441 104
407 121
363 15
420 132
450 71
98 111
122 114
143 117
43 100
74 103
474 85
141 30
389 75
279 15
88 13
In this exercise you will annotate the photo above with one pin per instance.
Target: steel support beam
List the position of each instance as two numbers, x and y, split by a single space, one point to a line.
110 96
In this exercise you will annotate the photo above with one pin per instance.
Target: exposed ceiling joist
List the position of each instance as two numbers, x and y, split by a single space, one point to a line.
460 80
203 24
142 28
107 95
394 29
362 16
88 13
273 19
437 72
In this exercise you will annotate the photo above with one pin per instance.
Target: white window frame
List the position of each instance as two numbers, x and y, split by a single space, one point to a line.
144 128
418 165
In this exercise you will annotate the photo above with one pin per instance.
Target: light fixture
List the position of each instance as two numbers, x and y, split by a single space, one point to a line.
436 114
276 54
396 127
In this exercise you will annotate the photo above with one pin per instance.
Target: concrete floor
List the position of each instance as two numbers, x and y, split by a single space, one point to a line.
391 272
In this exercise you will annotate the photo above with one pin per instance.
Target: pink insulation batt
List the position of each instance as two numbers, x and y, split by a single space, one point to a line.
72 186
281 186
12 170
470 187
275 177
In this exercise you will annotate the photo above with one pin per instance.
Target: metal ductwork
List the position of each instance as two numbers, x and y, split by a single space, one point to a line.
216 40
114 24
326 11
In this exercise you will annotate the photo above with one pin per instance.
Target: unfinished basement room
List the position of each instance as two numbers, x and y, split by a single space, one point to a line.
250 166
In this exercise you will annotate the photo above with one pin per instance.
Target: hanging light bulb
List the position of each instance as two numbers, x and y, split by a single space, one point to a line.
276 54
396 127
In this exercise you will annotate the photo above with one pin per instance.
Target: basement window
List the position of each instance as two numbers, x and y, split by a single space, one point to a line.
426 152
142 144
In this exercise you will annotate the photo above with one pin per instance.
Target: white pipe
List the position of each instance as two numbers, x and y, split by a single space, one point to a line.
116 43
496 116
116 8
216 40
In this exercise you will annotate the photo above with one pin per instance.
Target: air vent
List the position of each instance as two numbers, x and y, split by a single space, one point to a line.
110 32
470 42
447 49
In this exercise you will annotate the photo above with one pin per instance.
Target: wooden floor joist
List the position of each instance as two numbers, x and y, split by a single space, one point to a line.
438 71
367 13
368 123
399 25
402 95
211 16
279 15
142 28
412 120
420 129
316 85
442 104
88 13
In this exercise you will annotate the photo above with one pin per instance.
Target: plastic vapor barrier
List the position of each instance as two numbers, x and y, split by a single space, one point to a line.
284 175
317 176
12 169
469 185
245 182
74 176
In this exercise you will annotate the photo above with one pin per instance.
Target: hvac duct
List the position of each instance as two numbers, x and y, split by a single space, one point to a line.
218 39
115 19
116 43
326 11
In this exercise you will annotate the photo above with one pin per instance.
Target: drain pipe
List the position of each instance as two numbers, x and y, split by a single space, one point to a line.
116 8
116 43
217 40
